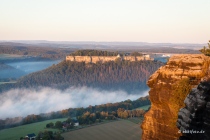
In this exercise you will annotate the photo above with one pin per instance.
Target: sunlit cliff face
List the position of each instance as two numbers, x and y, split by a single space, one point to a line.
95 59
160 120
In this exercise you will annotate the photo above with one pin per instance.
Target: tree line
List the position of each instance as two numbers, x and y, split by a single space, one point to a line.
90 52
90 118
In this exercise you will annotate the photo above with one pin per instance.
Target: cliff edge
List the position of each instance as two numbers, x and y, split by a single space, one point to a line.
169 86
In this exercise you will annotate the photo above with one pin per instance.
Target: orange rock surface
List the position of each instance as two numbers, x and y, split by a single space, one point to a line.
160 121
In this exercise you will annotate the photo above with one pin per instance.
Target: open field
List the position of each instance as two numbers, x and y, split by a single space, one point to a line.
146 107
116 130
21 131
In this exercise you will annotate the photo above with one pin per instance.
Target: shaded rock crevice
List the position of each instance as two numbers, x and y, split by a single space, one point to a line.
194 119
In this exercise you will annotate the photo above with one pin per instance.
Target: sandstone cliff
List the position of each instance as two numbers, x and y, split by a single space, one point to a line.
95 59
160 121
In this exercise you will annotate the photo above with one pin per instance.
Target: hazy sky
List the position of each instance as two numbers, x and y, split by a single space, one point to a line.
175 21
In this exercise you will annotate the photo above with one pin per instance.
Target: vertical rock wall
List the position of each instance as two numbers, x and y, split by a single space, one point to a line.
160 121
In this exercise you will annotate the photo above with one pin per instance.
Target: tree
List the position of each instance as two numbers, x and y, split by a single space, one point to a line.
58 124
69 120
93 117
140 112
206 50
104 114
136 54
46 135
120 112
58 137
50 125
98 115
125 114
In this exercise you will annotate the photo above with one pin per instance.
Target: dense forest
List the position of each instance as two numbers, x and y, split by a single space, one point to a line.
123 75
77 112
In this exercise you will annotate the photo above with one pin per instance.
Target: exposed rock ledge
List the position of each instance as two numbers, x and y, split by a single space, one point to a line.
160 121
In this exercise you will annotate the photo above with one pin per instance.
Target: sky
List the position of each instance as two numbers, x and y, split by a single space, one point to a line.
153 21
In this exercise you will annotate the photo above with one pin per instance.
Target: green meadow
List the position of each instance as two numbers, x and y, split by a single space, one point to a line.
21 131
146 107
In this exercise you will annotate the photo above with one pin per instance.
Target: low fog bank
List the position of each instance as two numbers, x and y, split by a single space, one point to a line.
22 102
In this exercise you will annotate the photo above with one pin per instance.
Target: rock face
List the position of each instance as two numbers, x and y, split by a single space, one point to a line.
160 121
194 118
95 59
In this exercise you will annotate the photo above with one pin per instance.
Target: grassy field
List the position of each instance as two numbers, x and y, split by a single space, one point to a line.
21 131
116 130
136 120
146 107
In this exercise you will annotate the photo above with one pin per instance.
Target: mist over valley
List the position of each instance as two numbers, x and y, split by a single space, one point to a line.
15 66
23 102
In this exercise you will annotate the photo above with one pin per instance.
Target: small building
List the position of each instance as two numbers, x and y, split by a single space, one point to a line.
118 56
146 55
76 122
31 136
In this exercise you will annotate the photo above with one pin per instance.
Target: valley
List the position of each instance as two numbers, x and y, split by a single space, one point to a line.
116 79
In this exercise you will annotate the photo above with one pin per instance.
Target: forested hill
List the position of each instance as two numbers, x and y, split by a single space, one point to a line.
123 75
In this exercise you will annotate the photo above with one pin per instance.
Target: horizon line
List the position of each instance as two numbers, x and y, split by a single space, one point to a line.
100 41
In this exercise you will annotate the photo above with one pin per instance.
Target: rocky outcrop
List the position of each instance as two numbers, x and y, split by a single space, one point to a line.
194 118
95 59
160 121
